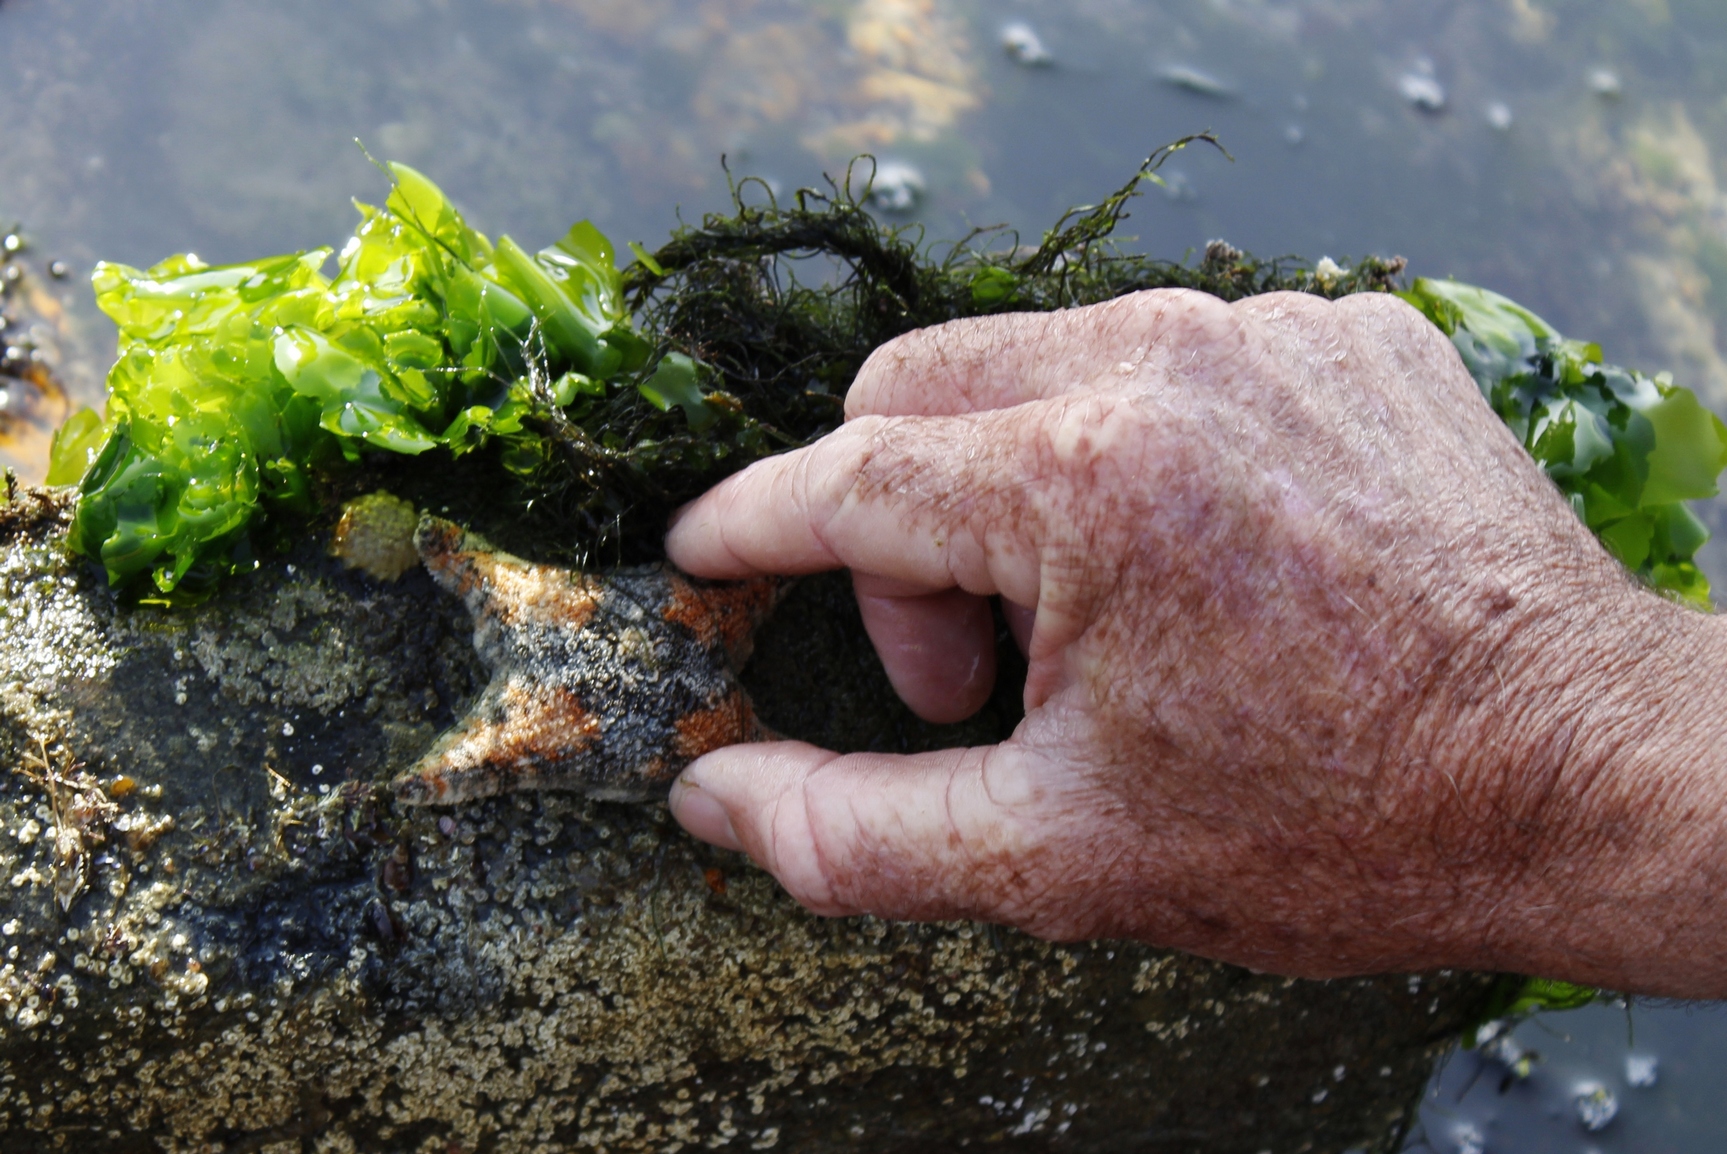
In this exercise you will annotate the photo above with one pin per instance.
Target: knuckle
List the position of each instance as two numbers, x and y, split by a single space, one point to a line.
1300 327
1413 344
1174 310
949 354
1208 327
880 371
883 455
1288 305
1392 321
1386 309
1089 436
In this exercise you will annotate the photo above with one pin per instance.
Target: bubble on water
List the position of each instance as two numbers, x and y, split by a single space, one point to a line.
1024 46
1499 116
1422 91
1640 1070
1498 1045
1605 83
1596 1105
897 187
1178 186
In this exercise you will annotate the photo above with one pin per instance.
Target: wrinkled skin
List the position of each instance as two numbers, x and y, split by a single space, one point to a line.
1325 676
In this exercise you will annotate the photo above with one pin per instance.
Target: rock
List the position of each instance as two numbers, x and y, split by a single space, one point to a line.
220 933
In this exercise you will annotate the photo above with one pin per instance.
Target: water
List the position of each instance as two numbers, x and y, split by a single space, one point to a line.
1684 1050
1567 152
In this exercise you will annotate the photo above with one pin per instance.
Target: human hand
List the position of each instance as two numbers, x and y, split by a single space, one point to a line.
1324 675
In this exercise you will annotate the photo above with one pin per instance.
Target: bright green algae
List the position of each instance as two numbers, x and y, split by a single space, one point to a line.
237 386
1627 449
244 395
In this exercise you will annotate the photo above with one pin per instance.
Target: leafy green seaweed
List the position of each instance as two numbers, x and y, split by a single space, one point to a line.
1627 449
238 387
1514 997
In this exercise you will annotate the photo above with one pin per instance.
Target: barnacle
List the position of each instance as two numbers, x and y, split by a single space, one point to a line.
376 536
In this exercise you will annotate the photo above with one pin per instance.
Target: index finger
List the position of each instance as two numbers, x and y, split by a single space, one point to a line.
935 502
997 362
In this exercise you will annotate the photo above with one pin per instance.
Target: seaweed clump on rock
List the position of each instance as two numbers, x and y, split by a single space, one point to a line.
784 303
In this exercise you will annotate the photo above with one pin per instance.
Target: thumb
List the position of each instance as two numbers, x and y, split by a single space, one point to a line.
930 836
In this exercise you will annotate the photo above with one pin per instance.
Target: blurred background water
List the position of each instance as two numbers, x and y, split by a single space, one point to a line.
1569 153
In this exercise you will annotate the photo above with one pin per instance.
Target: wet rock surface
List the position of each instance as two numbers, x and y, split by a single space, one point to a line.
218 932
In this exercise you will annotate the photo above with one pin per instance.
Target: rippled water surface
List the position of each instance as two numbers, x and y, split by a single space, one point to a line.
1562 151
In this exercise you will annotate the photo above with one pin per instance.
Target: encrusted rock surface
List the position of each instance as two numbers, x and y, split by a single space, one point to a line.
217 932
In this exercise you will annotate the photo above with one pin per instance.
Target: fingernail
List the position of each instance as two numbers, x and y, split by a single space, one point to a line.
701 813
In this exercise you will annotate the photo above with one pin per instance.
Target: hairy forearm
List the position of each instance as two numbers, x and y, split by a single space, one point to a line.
1608 837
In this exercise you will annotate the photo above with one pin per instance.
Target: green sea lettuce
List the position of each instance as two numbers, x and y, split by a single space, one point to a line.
1627 449
236 386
